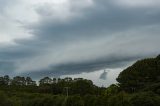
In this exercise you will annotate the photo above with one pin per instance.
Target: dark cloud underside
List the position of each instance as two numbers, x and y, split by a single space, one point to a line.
78 38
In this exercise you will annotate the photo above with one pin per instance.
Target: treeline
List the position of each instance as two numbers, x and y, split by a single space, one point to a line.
17 81
56 86
147 98
138 85
23 91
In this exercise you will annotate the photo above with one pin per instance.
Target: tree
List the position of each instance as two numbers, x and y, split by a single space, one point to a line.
54 80
68 79
141 74
2 81
145 99
82 87
121 99
6 80
45 80
18 80
112 90
30 82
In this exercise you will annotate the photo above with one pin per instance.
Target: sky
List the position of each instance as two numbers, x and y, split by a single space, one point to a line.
64 37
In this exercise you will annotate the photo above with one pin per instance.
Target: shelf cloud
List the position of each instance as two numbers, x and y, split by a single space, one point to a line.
46 37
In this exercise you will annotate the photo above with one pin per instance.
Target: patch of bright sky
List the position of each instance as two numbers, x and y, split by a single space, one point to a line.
111 76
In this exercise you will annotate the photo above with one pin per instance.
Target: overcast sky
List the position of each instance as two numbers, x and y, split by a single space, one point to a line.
44 37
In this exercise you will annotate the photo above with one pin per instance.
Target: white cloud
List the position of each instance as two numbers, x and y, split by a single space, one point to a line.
13 19
15 16
62 11
11 30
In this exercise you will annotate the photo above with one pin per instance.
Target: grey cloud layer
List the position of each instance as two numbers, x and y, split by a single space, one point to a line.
105 34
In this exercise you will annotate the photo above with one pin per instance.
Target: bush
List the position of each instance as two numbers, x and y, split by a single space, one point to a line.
4 101
74 101
145 99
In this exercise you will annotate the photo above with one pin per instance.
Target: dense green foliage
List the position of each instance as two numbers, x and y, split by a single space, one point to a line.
138 85
143 74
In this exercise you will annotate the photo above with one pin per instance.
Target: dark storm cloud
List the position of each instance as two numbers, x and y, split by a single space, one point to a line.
6 68
103 16
69 69
107 35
